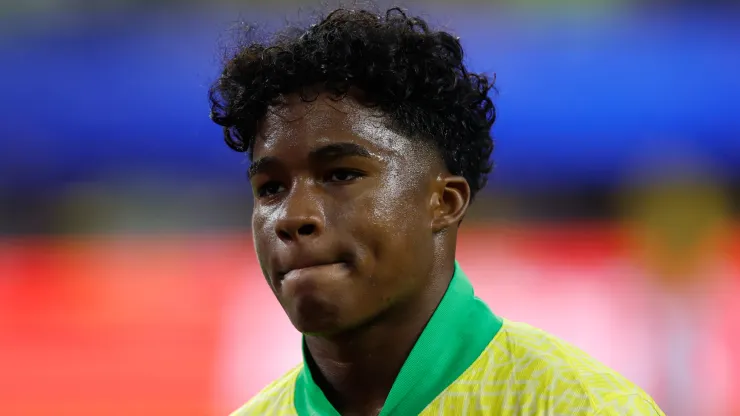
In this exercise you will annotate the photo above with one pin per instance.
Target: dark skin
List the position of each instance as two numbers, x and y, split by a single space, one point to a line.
354 228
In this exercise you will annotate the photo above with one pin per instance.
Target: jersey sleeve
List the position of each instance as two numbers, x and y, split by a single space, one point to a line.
629 405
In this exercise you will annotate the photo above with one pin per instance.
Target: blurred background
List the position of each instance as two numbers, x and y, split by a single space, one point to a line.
128 285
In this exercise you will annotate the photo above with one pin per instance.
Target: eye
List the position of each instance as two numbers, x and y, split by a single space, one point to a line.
269 189
343 175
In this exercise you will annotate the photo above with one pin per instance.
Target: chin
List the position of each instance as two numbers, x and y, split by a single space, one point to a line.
313 317
319 329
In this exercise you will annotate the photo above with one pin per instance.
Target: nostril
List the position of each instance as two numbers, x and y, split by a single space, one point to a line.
284 235
306 229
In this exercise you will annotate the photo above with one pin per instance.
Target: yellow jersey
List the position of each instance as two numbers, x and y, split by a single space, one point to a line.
468 361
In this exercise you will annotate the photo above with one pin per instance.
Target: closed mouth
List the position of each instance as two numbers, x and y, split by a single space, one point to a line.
308 268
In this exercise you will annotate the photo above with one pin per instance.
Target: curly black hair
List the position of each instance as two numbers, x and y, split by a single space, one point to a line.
414 74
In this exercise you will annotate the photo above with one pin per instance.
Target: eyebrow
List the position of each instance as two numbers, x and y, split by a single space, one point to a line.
324 154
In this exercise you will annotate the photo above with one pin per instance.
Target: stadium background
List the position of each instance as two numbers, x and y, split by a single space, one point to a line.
127 280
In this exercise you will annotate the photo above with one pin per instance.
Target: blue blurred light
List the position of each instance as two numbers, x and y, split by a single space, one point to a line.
578 99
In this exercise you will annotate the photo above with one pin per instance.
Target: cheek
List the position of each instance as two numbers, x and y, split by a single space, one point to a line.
260 233
261 236
394 216
400 206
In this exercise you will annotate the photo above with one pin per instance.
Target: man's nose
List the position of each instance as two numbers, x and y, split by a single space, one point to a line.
302 217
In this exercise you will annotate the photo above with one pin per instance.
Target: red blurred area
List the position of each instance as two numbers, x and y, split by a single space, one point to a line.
185 325
112 326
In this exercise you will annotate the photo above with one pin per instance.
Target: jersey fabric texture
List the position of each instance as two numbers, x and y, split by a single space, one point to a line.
468 361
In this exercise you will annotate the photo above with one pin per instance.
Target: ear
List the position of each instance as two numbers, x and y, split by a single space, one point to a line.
449 202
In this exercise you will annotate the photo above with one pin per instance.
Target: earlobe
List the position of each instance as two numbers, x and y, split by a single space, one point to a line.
450 202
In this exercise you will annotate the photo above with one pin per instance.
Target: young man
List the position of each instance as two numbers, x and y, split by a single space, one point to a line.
369 138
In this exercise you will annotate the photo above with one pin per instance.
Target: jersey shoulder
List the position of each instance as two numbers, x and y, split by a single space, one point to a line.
550 367
525 371
275 399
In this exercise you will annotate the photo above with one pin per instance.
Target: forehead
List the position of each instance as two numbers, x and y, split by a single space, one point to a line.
295 124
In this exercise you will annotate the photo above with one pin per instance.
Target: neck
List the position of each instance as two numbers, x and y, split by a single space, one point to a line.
357 369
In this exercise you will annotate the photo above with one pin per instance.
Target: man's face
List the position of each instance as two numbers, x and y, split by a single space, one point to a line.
342 220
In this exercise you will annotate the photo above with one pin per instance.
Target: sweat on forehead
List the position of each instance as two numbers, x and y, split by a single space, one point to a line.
329 118
322 114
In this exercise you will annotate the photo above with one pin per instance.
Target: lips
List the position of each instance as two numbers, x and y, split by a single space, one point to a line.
314 260
305 264
312 270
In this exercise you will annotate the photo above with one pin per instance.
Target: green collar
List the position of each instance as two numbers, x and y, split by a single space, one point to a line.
460 329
